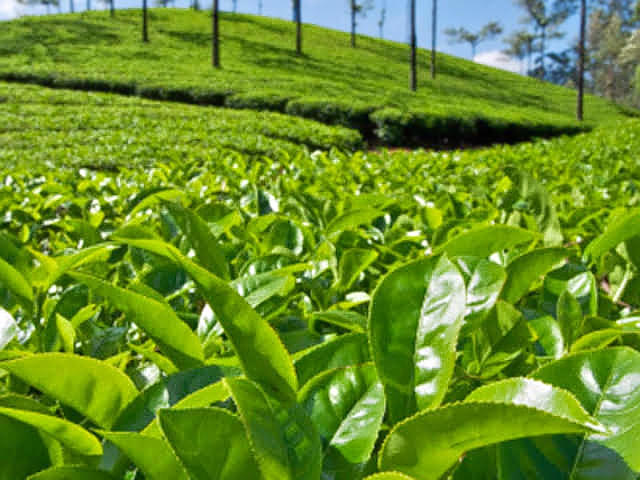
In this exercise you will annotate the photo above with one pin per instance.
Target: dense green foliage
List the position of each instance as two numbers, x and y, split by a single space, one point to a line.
232 311
365 88
58 127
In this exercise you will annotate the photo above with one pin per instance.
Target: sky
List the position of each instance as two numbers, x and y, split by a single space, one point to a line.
472 14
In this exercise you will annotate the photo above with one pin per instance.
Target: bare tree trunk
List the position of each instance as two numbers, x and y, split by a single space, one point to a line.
581 61
298 27
112 8
88 5
413 83
215 38
72 8
434 37
353 23
145 28
259 7
543 51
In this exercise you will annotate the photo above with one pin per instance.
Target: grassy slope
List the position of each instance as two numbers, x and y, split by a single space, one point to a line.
259 62
57 127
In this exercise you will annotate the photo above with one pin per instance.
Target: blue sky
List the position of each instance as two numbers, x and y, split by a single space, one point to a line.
471 14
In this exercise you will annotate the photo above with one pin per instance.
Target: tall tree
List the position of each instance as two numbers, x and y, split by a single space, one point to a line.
607 37
358 8
383 18
235 5
88 6
547 16
520 45
434 36
462 35
215 37
582 54
413 80
259 7
298 20
71 6
145 29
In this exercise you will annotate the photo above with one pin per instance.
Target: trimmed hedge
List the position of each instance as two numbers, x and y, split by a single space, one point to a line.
270 101
334 112
388 126
397 127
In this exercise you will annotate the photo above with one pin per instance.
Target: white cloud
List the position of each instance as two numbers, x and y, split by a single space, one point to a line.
497 59
8 9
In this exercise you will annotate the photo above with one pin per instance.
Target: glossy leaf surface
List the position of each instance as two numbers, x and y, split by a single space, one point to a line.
607 383
93 388
284 440
416 315
211 443
261 353
427 445
152 456
347 407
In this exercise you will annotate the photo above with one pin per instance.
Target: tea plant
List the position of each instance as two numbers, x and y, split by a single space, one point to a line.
384 315
363 88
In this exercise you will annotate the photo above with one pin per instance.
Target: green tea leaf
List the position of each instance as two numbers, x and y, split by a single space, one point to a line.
352 263
427 445
8 328
607 383
526 269
90 386
151 455
344 351
535 394
14 281
211 443
347 407
201 238
262 355
352 219
618 231
484 241
68 434
157 319
570 317
416 315
282 437
23 445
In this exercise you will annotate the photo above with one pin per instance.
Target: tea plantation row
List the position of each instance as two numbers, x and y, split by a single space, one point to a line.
58 127
363 88
258 311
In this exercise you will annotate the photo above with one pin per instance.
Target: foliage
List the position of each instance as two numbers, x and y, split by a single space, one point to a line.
383 315
91 51
98 130
462 35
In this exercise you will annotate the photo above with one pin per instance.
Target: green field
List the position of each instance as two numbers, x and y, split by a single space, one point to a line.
58 127
365 88
194 292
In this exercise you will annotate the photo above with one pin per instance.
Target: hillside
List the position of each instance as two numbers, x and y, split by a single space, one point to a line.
59 127
192 292
365 88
